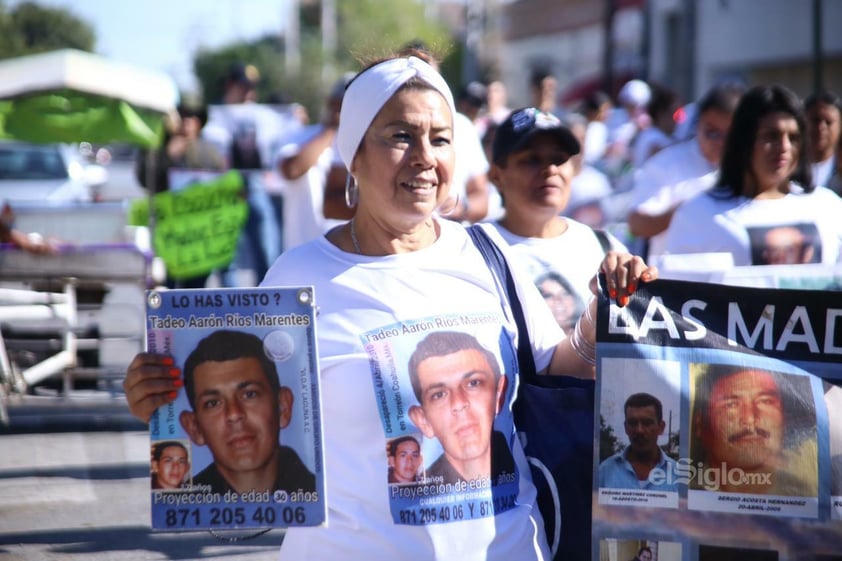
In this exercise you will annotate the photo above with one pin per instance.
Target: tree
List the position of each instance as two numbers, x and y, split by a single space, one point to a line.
365 29
29 29
609 444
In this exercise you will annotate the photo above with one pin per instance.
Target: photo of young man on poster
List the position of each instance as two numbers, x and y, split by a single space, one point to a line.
237 409
170 465
405 460
460 389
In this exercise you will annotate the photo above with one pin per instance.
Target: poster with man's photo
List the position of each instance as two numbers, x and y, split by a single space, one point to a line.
720 421
241 445
439 383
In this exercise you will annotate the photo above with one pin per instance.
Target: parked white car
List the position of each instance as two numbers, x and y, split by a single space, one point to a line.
46 173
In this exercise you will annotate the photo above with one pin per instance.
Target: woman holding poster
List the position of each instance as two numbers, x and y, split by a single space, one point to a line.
386 283
763 210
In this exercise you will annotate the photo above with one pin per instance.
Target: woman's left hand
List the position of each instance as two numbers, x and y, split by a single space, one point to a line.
623 273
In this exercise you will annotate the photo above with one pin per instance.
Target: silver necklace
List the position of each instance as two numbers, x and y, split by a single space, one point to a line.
354 239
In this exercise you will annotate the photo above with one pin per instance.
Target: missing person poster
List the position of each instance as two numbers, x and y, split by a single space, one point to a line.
241 446
439 383
719 423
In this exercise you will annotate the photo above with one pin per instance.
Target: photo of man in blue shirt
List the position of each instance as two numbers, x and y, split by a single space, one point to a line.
635 467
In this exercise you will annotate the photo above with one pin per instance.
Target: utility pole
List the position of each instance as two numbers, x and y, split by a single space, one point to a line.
818 55
292 46
608 48
328 42
473 34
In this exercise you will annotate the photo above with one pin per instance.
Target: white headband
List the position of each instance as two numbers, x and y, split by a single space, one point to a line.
370 91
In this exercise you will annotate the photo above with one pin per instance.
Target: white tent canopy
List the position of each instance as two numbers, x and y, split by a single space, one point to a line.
89 73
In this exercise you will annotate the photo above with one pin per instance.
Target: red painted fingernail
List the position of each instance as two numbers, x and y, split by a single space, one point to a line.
168 361
175 372
646 276
632 287
623 301
177 382
172 395
612 292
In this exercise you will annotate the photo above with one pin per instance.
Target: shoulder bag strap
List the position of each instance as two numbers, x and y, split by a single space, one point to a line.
500 268
604 242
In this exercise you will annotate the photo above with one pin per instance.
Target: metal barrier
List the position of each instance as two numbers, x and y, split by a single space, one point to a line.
39 295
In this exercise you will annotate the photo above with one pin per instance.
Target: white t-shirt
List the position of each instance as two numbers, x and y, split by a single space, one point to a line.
589 185
650 141
741 227
596 141
561 267
667 179
470 156
372 313
303 197
823 171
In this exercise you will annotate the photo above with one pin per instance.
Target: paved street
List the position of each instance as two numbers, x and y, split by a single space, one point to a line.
71 493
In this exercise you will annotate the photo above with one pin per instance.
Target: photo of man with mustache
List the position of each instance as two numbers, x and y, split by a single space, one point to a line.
754 431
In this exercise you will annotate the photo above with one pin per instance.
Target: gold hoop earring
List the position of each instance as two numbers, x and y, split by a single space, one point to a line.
452 209
352 192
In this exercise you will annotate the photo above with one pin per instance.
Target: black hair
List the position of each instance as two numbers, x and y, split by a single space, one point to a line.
825 97
538 76
198 111
158 448
474 93
393 445
643 399
722 97
594 101
754 105
443 343
662 100
225 345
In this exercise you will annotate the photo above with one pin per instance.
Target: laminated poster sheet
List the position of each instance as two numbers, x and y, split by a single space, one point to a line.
741 390
241 446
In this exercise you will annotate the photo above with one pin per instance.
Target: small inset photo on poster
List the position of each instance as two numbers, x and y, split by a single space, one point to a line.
640 416
169 462
614 549
406 462
753 442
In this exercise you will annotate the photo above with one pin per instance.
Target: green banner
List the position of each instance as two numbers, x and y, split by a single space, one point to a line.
70 116
196 229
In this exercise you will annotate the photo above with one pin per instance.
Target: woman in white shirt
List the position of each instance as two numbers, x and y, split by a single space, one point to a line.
763 209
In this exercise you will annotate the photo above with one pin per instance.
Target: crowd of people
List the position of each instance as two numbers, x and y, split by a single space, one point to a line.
643 154
402 258
373 201
413 165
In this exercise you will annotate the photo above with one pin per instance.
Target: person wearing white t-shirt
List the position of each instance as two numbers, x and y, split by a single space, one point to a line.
313 174
590 189
470 176
679 172
763 210
383 281
657 136
533 169
824 125
596 108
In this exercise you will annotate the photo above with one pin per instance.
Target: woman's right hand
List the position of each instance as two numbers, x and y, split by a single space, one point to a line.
152 380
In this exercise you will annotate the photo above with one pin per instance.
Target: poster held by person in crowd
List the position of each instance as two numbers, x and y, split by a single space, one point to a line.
241 446
197 224
718 423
